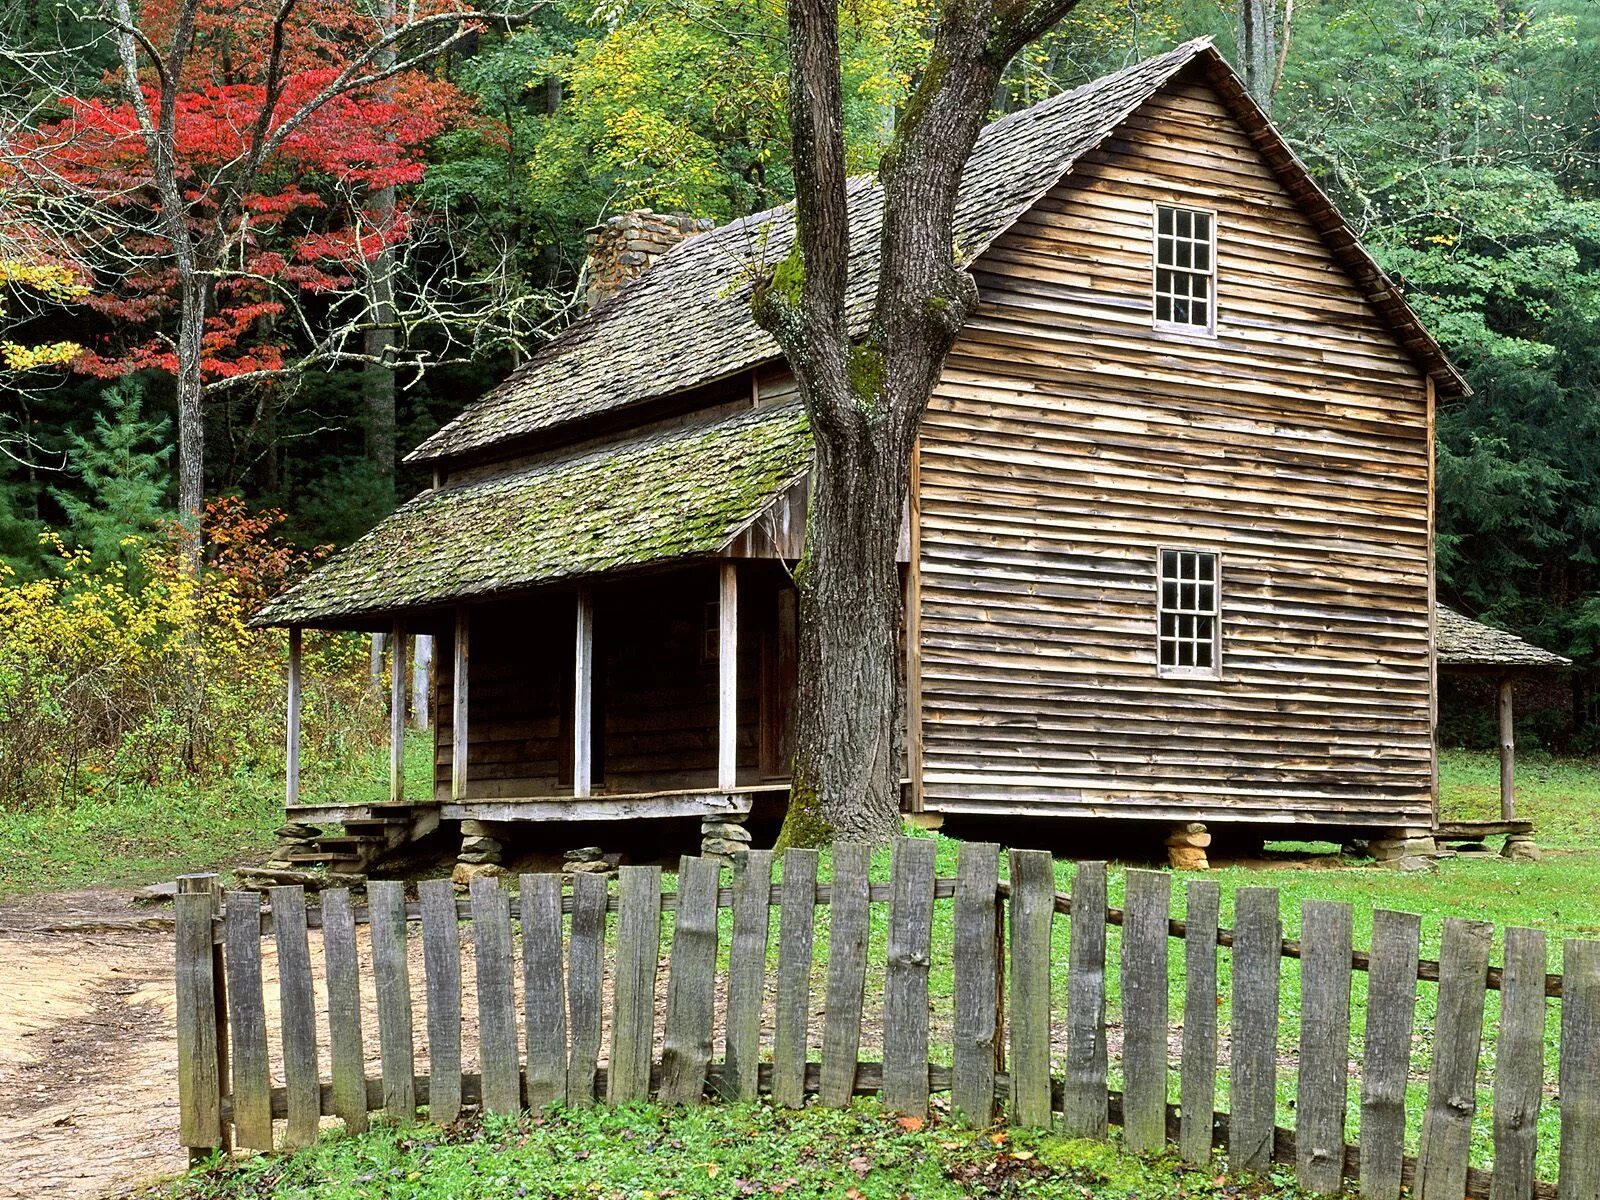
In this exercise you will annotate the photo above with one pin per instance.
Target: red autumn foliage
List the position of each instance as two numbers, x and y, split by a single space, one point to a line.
307 227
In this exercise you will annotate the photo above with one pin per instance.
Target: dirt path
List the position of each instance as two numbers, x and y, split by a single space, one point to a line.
87 1057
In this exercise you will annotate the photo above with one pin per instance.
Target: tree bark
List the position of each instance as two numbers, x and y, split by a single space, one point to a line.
1258 47
866 398
377 383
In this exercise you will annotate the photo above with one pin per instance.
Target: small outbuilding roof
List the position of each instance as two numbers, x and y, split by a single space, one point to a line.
687 321
1462 642
658 497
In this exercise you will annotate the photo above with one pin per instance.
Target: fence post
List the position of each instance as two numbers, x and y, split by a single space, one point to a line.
1580 1071
1442 1154
1147 908
977 1025
1253 1083
1033 906
202 1018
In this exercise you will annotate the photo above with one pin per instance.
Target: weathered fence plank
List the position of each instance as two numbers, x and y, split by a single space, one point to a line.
1442 1155
796 918
497 1005
691 984
1197 1095
847 973
1580 1071
441 967
976 965
747 969
1084 1086
1033 904
633 995
544 1004
584 974
1253 1094
905 983
1326 942
344 1009
1146 911
297 1011
199 1087
1386 1056
247 1020
391 981
1519 1066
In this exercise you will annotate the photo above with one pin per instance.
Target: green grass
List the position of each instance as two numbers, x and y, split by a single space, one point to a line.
716 1150
1561 796
130 833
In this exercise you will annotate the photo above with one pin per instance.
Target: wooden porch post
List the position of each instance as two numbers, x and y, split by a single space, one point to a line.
583 697
397 713
291 785
458 698
1508 753
728 680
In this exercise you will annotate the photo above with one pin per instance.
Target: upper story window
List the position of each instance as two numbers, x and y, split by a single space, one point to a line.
1186 269
1189 604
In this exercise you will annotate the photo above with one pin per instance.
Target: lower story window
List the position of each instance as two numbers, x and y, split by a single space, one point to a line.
1189 606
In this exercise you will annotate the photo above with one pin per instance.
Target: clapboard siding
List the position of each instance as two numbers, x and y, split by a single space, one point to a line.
1068 442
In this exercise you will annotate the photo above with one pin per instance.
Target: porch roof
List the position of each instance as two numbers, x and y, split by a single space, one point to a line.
669 495
1464 643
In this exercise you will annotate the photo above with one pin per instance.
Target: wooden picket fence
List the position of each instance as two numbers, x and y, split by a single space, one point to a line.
1001 1064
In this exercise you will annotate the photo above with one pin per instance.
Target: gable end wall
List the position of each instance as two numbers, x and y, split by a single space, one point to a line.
1068 442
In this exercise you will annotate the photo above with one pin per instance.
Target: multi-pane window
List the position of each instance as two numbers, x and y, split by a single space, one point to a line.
1186 260
1189 611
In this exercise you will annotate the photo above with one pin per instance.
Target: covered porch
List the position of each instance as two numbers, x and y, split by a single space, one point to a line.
615 627
659 695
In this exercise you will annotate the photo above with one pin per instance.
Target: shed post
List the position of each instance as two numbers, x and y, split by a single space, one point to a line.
291 783
1508 752
728 680
458 699
397 713
583 697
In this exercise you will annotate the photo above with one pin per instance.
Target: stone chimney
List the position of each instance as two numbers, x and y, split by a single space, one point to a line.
627 246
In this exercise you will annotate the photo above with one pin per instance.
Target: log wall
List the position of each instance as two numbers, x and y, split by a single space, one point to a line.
1069 442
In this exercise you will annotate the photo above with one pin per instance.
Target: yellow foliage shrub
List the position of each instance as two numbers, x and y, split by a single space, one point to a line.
104 680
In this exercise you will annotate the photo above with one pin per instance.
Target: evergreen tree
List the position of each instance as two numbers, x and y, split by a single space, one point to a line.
122 468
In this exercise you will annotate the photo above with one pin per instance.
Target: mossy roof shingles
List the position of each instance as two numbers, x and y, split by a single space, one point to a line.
653 498
1462 642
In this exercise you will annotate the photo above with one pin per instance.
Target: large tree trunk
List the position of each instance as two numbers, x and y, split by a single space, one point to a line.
866 397
849 736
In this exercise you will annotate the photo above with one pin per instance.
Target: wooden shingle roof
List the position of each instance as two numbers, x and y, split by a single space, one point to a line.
687 321
659 497
1462 642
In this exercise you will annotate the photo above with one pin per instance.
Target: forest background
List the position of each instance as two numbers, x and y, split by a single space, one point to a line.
413 242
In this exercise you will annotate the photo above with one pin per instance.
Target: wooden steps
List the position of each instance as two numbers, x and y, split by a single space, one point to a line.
372 832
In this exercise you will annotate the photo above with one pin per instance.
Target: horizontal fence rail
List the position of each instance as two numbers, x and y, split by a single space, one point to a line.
591 1016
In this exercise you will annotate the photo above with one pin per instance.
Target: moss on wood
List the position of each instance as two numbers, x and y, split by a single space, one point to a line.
647 499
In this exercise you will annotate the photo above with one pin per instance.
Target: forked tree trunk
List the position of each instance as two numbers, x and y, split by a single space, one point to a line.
866 395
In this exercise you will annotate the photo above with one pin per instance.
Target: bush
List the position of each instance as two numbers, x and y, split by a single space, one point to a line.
106 679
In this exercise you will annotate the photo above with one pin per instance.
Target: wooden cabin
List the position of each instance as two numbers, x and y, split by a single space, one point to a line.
1169 554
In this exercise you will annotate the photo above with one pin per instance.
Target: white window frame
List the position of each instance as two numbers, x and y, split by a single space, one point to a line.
1164 670
1209 329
